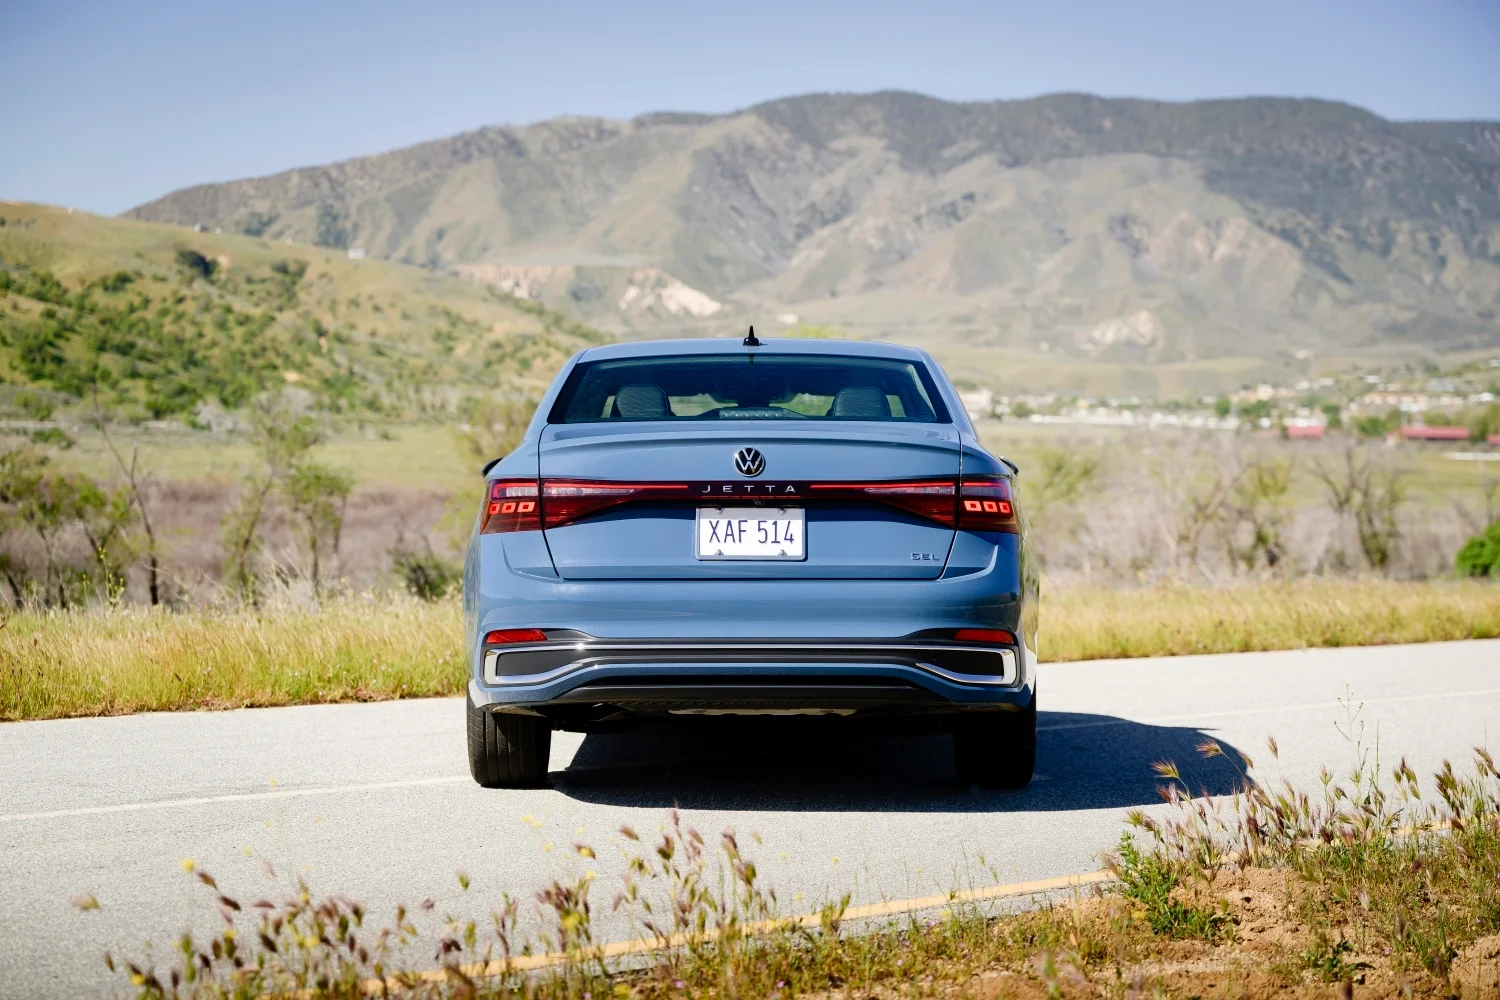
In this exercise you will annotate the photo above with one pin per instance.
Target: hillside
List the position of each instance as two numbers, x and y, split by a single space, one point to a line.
1127 240
163 321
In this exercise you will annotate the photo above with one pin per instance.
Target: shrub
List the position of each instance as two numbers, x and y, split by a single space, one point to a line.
192 260
1480 555
1154 882
426 574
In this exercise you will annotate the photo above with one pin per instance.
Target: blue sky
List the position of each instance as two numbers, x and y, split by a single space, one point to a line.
104 105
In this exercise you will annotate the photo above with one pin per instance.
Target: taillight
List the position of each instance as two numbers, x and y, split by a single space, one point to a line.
932 499
975 503
526 505
504 636
985 504
512 505
565 500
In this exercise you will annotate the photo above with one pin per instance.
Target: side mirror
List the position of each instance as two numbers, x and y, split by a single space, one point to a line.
488 466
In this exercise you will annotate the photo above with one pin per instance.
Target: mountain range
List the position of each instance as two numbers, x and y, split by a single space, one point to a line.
1122 245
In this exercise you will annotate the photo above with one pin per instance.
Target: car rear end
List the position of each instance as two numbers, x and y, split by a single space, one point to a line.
699 528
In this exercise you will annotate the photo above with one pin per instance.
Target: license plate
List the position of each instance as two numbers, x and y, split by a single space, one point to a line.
751 533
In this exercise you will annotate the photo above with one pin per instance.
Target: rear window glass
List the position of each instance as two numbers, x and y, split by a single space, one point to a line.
749 387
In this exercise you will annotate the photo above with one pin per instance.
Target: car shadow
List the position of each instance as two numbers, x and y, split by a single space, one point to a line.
1083 762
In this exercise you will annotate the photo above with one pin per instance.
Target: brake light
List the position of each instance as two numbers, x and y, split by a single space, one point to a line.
512 505
988 636
501 637
985 504
566 500
931 499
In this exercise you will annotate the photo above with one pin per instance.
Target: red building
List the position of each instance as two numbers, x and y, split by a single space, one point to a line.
1435 433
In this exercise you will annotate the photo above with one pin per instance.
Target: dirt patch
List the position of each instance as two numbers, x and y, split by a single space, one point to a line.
1476 970
1266 958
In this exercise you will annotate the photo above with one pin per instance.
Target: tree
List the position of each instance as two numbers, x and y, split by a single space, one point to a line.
1376 516
318 495
282 436
1258 505
136 484
49 505
313 494
1485 423
1197 499
1369 492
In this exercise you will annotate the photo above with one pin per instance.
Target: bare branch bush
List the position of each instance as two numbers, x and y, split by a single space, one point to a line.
1211 507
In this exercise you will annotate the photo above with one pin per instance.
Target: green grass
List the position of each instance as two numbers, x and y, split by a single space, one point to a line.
113 661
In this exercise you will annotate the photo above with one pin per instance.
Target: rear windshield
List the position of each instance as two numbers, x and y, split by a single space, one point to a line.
749 387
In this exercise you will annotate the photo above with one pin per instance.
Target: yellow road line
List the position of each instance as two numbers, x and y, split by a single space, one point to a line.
617 949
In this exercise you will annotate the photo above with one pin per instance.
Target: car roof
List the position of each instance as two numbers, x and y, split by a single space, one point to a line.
734 345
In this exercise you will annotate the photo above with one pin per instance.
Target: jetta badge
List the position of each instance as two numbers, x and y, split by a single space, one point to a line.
749 462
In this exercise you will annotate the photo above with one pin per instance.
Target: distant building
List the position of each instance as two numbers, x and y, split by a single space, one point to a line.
1493 439
1435 433
978 403
1305 432
356 253
1408 402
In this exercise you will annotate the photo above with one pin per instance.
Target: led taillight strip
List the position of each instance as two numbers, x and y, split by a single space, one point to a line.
927 498
973 503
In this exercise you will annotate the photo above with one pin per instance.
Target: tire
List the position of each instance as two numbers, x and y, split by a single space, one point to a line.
996 751
508 751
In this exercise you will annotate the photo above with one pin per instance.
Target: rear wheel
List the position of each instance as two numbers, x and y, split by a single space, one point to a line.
996 750
508 751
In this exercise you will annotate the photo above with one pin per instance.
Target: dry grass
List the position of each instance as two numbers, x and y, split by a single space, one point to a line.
1363 890
105 662
1175 621
114 661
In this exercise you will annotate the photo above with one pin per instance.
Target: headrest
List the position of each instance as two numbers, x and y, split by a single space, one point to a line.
641 402
861 402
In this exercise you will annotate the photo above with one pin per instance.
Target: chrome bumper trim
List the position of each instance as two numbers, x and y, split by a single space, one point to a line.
1009 675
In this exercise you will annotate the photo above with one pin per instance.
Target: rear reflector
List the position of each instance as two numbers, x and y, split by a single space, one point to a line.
501 637
988 636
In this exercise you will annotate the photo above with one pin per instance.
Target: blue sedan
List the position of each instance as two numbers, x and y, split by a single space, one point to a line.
779 527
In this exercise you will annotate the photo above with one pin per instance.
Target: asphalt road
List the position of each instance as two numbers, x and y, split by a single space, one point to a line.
375 800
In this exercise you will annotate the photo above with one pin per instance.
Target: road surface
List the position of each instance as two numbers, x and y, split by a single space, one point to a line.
375 800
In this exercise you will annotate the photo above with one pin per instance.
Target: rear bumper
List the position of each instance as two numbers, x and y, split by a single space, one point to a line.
585 681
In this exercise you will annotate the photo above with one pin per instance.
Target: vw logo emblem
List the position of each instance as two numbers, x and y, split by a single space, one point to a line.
749 462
